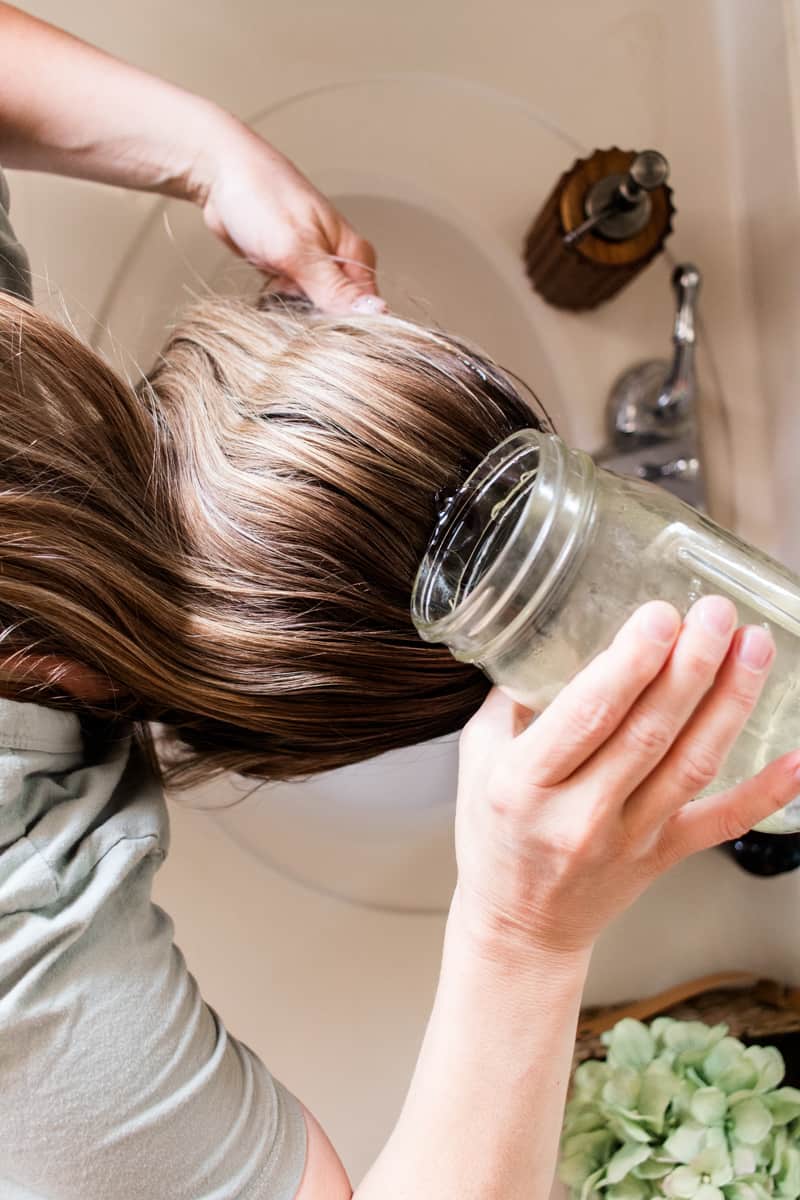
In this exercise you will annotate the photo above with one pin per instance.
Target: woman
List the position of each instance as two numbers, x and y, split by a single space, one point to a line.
230 552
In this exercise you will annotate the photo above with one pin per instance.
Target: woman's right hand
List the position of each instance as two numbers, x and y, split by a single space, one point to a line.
563 821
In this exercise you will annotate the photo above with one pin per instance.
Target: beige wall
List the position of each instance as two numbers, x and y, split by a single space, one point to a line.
762 61
791 15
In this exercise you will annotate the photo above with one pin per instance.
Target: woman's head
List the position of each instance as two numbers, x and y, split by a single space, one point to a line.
233 545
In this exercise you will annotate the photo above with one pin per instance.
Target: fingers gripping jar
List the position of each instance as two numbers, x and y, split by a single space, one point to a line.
541 557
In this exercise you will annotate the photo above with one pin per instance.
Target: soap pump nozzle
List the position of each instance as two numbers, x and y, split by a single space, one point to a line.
618 207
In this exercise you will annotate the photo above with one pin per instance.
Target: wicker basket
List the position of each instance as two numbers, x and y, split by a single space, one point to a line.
759 1011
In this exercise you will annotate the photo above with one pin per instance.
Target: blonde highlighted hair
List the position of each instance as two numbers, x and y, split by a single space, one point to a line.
232 545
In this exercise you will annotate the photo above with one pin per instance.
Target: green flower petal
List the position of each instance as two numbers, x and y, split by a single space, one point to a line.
680 1108
780 1141
582 1118
751 1121
718 1032
789 1176
769 1065
589 1185
756 1190
683 1183
575 1169
625 1159
784 1104
735 1097
744 1160
622 1089
590 1078
709 1105
653 1169
659 1086
714 1159
741 1190
630 1044
727 1067
707 1191
659 1027
742 1076
724 1175
687 1035
685 1143
629 1189
597 1142
627 1129
693 1040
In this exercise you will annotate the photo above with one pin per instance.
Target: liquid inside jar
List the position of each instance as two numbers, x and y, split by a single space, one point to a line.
542 559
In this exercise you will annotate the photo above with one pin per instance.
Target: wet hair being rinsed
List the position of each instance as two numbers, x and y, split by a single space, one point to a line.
233 543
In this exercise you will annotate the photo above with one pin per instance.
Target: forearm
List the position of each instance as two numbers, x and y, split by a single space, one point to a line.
484 1111
69 108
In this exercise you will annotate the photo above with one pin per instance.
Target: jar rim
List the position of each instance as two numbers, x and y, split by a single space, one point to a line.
438 612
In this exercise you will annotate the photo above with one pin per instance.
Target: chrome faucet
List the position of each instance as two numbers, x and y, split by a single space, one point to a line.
651 412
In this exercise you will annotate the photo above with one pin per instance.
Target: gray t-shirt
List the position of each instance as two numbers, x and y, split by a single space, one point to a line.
117 1081
15 273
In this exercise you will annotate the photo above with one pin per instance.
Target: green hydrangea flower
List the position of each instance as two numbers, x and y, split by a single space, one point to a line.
681 1110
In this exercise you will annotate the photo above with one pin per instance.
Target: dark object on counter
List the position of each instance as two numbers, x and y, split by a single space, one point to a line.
758 1011
766 853
604 221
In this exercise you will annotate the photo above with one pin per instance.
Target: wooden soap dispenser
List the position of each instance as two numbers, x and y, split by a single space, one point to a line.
604 221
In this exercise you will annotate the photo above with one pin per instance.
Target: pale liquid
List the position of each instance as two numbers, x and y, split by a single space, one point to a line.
634 558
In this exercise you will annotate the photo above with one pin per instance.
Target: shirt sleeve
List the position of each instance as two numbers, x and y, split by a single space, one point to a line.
15 271
117 1079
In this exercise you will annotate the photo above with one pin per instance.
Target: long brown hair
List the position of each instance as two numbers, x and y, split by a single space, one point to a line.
233 543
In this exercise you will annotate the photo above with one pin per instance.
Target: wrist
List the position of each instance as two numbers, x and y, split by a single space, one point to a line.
509 952
194 156
218 139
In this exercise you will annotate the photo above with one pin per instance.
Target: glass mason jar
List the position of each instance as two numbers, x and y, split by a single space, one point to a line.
541 557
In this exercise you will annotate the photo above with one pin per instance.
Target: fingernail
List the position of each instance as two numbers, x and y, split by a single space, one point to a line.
660 622
755 648
716 614
369 305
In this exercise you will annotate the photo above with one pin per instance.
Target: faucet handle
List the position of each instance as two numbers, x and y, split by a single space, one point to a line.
686 280
651 409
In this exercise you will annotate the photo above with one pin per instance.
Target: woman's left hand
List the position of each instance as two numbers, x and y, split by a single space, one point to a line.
257 202
99 118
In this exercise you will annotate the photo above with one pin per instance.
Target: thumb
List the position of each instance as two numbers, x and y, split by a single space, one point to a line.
326 284
497 722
